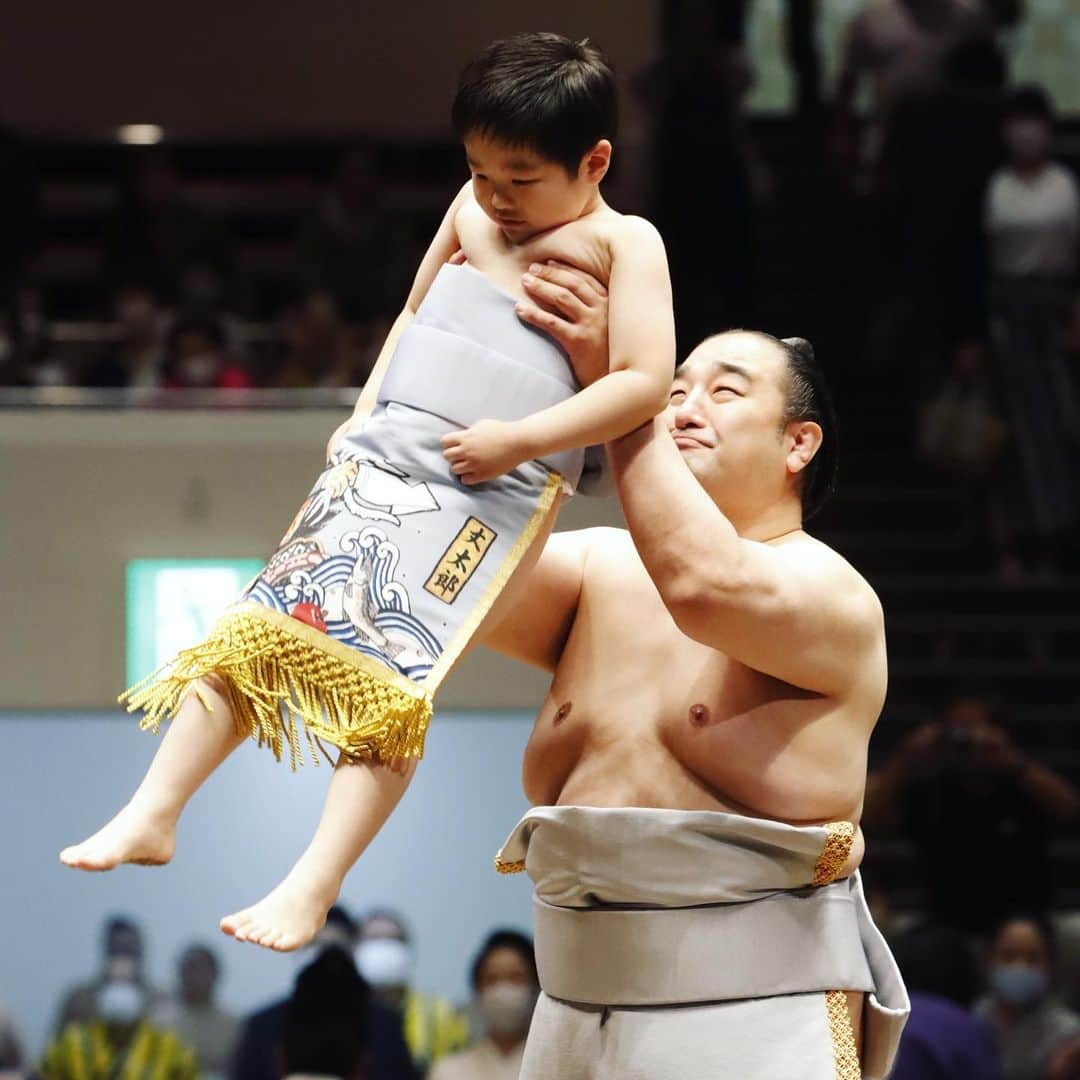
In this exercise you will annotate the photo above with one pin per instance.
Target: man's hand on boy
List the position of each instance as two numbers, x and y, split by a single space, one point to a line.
485 450
571 306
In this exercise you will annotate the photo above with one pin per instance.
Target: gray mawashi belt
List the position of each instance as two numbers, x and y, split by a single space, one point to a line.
463 381
788 943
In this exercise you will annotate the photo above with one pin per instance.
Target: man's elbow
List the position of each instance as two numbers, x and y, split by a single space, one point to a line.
698 603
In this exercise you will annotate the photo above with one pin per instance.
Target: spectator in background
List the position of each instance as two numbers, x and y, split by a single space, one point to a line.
695 93
122 961
384 955
194 1016
971 802
322 350
1027 1022
11 1057
26 346
899 47
257 1055
19 211
1033 229
157 233
942 1040
505 986
198 359
348 245
941 148
139 358
119 1044
1064 1063
325 1027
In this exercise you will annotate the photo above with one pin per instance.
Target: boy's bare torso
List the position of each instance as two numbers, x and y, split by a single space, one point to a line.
640 715
584 243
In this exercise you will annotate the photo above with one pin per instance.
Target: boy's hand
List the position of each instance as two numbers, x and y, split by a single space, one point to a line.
487 449
571 306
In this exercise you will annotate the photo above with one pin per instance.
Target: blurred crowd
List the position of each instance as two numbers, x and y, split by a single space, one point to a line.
968 225
960 191
992 962
353 1013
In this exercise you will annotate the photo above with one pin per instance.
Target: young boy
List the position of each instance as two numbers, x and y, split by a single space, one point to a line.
460 450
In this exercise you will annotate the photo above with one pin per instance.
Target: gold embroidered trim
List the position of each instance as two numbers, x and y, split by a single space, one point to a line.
838 837
509 867
452 653
281 675
845 1051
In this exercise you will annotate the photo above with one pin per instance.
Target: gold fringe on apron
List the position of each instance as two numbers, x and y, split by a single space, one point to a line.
279 675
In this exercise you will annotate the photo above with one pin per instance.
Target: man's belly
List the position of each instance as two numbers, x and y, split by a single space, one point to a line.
572 761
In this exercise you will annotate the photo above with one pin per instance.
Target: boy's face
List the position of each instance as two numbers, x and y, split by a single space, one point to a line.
524 193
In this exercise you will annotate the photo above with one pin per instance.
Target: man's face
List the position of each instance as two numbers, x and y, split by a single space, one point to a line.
725 415
522 192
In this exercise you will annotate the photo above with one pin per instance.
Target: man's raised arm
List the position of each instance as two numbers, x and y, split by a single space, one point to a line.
795 611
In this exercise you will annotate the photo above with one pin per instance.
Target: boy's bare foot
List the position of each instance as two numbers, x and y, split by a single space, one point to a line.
133 836
288 918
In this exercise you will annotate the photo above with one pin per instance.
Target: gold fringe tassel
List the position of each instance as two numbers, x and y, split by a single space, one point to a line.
278 679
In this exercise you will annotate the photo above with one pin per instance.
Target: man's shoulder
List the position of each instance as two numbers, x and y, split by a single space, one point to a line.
831 568
598 539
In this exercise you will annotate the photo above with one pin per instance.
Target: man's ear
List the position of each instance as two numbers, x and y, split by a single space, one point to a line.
806 437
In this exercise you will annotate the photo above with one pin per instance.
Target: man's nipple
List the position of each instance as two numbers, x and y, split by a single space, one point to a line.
699 715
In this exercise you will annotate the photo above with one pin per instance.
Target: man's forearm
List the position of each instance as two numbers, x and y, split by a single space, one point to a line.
676 527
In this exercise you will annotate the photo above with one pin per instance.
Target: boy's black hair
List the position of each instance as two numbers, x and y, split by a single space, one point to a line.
541 91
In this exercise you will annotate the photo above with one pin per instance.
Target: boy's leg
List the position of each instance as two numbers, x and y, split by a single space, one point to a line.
360 799
196 742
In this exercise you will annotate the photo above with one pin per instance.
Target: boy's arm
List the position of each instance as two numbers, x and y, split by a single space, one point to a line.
444 244
641 347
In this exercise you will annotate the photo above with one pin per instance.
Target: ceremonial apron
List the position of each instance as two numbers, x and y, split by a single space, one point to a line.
391 563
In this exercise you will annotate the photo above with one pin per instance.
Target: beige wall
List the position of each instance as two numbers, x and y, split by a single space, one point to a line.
82 492
207 69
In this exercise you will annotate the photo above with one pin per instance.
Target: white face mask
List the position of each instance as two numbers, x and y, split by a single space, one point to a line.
120 1001
385 962
507 1007
199 369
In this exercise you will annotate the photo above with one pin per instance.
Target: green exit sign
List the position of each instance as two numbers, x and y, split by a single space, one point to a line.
172 603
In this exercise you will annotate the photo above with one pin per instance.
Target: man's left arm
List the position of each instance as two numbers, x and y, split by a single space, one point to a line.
797 613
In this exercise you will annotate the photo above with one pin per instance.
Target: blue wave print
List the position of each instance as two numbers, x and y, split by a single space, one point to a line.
266 595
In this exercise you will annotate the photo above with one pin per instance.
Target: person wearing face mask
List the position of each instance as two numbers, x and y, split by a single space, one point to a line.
506 986
194 1015
122 962
138 359
257 1052
1032 225
1027 1021
198 359
432 1027
120 1044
